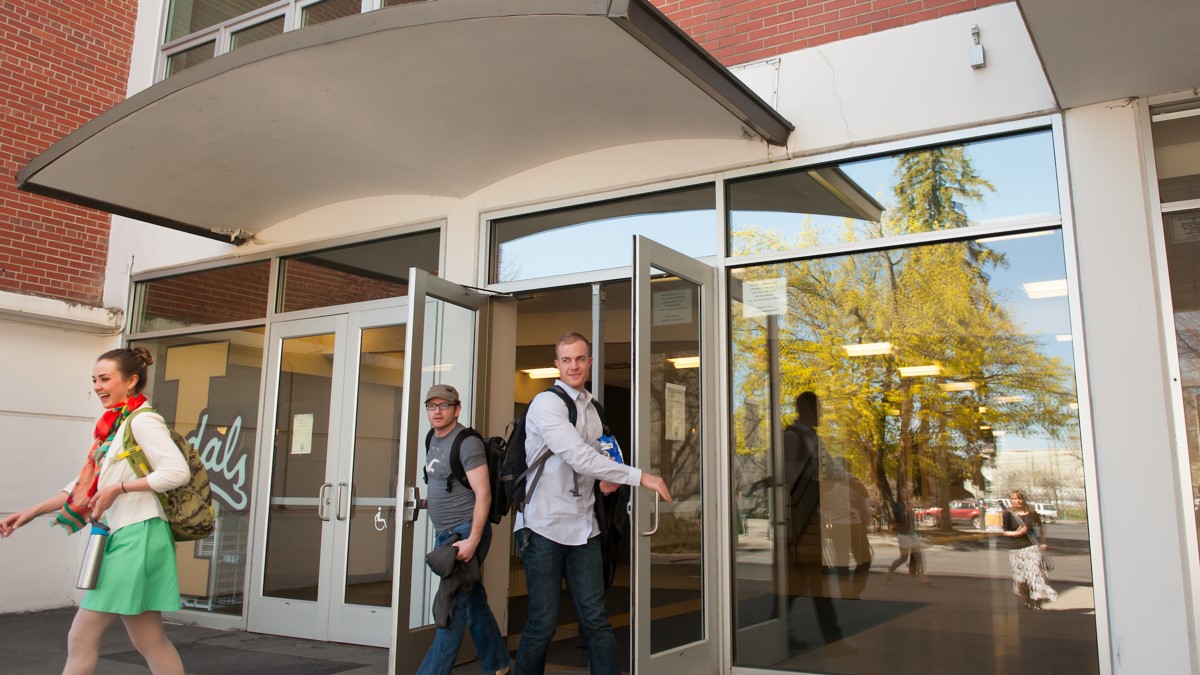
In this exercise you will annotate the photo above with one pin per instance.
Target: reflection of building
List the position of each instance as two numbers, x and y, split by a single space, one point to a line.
1046 474
482 165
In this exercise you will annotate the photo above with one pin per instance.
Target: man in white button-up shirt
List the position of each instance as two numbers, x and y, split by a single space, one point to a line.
557 532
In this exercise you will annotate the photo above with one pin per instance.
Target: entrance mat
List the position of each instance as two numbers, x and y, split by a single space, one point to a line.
202 659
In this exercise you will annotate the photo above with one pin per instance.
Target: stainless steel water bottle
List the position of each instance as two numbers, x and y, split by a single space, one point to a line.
89 570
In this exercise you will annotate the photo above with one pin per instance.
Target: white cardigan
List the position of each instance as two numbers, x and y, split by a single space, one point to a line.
169 471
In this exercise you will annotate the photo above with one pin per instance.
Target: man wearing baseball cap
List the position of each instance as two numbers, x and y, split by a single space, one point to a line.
456 510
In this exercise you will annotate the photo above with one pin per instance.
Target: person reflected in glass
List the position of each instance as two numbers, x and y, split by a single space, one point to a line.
908 539
138 580
846 508
1027 535
801 480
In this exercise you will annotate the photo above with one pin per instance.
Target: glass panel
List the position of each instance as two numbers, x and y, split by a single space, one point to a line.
917 191
371 271
1177 155
189 16
883 404
219 295
376 465
529 247
292 567
328 10
677 574
256 32
181 61
1183 261
448 357
206 388
393 3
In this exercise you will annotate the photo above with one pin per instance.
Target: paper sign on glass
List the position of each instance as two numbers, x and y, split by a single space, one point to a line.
302 434
764 297
671 307
676 409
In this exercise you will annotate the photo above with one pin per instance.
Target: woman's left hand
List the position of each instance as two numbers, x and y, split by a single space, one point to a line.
103 499
1045 546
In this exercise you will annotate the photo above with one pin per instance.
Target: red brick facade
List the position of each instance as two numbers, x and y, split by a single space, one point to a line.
740 31
62 63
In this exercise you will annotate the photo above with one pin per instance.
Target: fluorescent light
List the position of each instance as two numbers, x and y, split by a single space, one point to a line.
1009 399
1037 290
541 373
438 368
957 386
999 432
1063 338
1073 406
983 408
868 349
894 412
686 362
920 371
984 427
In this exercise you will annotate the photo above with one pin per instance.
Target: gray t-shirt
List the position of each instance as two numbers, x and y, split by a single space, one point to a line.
449 508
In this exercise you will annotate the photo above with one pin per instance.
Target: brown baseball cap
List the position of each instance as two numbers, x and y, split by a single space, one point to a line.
442 391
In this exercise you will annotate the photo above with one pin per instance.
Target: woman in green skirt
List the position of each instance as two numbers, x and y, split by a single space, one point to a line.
138 579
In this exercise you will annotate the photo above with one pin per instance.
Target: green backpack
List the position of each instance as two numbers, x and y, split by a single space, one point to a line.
188 507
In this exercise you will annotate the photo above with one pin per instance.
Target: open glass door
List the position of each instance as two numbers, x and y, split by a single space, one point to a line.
675 554
445 346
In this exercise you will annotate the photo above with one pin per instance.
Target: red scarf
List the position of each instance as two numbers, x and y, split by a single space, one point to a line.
73 516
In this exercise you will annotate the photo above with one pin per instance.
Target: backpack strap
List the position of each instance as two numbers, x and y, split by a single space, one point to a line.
131 449
456 467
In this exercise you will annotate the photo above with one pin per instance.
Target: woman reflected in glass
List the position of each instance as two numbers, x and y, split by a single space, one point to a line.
1027 535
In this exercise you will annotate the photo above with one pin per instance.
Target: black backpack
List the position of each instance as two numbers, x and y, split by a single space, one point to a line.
493 450
515 470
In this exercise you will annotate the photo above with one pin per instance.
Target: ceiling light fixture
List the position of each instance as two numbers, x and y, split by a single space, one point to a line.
1038 290
541 373
868 349
920 371
686 362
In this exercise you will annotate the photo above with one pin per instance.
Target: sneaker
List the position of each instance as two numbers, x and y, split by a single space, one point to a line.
505 669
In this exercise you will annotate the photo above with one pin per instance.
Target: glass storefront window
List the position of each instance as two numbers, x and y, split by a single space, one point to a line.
1176 131
219 295
206 387
370 271
885 406
599 236
189 16
989 180
1177 152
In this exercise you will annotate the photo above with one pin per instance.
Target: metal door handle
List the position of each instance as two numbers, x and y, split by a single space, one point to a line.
655 528
341 489
323 501
412 504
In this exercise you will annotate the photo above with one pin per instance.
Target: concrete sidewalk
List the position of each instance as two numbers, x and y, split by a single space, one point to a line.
35 644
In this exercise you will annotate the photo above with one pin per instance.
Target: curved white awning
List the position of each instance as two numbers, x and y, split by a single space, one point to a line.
438 98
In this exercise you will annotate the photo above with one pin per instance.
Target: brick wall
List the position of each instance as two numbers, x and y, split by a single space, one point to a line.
740 31
62 63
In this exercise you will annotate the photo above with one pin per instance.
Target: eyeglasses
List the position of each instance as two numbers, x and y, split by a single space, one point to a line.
439 406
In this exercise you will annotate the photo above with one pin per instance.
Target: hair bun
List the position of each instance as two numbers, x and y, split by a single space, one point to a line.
145 355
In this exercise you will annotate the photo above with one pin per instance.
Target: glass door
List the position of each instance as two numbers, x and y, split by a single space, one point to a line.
445 345
675 563
323 570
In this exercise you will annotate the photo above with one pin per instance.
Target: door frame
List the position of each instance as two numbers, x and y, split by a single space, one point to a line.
408 646
701 655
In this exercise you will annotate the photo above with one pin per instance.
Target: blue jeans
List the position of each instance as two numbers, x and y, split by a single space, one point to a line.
546 564
470 611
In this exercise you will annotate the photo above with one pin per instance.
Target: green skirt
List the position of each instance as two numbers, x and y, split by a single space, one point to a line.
138 572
